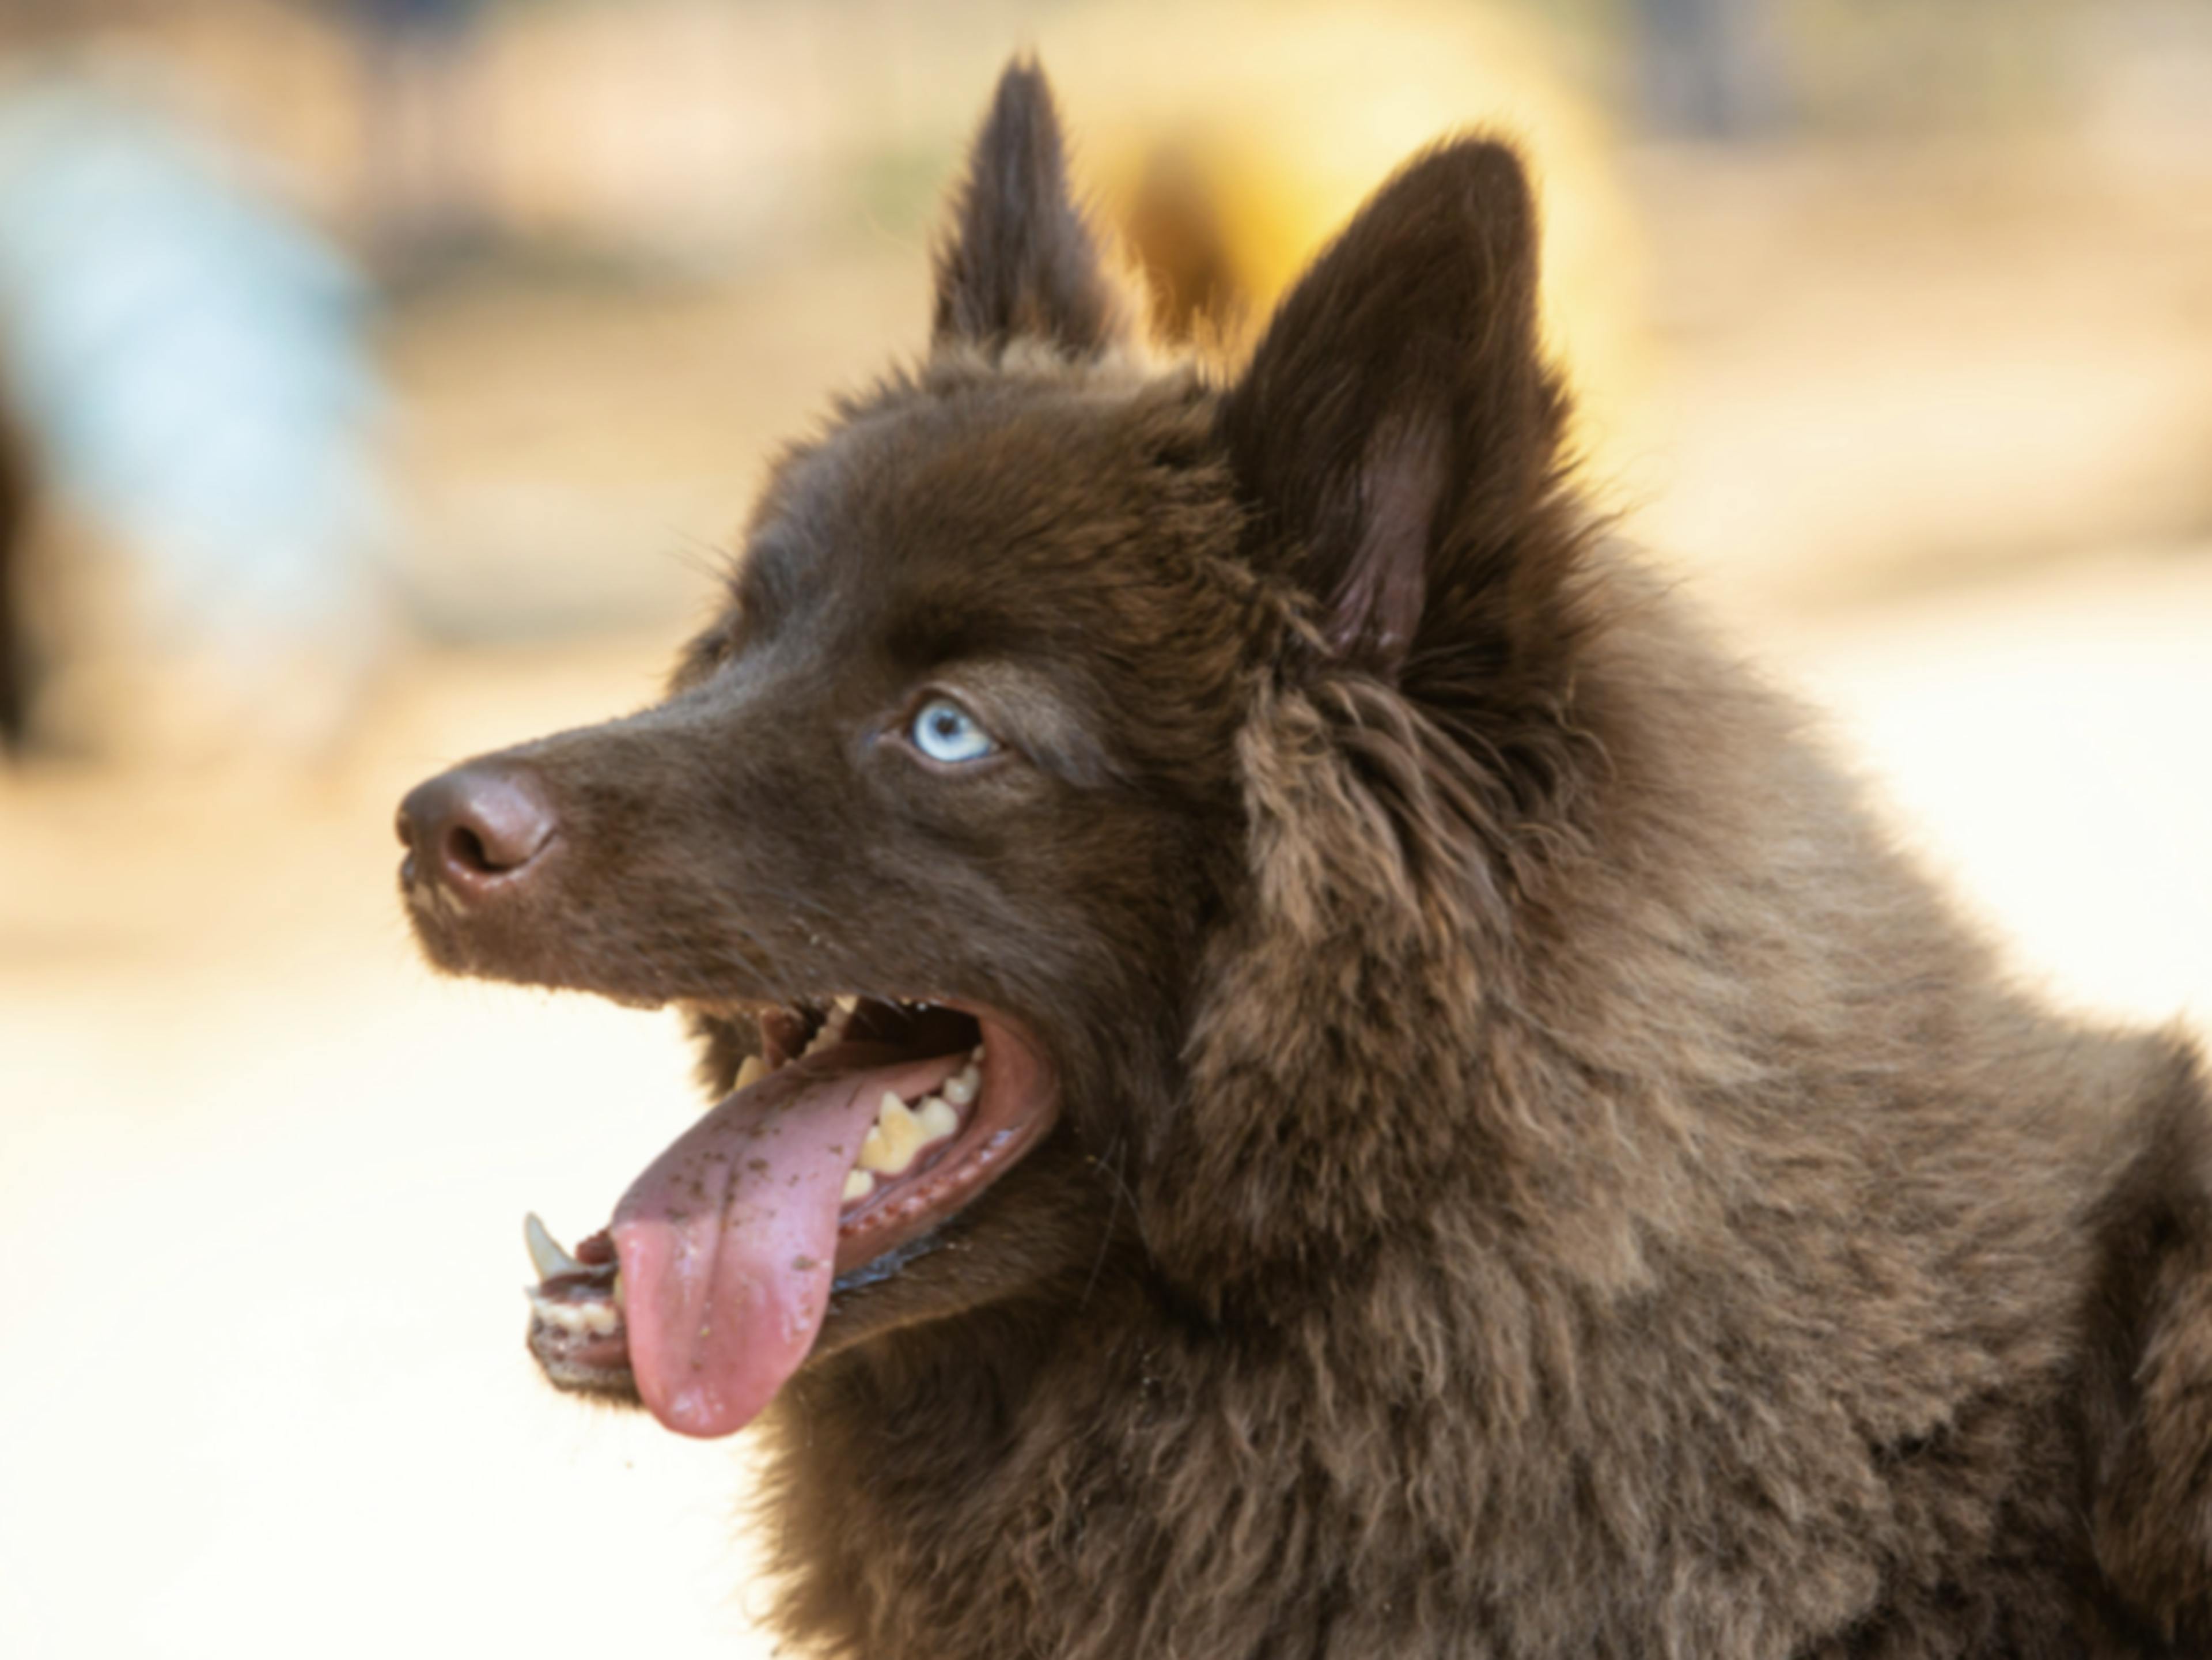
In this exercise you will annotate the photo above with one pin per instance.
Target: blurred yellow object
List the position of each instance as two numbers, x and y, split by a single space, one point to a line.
1231 141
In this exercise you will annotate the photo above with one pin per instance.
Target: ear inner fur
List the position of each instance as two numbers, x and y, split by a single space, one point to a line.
1396 424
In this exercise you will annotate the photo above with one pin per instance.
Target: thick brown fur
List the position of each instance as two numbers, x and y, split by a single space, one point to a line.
1540 1176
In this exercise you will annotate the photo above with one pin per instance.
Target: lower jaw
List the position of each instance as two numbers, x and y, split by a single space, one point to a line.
598 1363
885 1267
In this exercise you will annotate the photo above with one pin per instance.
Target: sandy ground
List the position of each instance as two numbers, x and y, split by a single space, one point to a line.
265 1390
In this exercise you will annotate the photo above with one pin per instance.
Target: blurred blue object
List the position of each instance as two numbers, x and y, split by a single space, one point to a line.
420 14
187 363
1711 69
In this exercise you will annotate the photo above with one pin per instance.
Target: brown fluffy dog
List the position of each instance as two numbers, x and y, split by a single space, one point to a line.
1305 1069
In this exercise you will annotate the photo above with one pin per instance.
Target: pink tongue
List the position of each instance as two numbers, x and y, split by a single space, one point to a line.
728 1242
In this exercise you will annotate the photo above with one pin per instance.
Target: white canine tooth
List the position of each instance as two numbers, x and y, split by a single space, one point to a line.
894 1139
750 1070
545 1253
858 1185
960 1088
847 1004
936 1119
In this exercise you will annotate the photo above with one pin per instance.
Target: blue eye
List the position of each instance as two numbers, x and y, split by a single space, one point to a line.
945 731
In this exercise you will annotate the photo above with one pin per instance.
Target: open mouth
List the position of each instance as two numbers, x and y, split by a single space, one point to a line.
859 1128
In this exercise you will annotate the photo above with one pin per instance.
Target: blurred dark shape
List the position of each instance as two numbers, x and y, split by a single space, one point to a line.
422 143
1174 229
185 365
1709 69
428 14
15 667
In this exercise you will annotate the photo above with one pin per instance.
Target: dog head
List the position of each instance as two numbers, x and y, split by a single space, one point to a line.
1035 833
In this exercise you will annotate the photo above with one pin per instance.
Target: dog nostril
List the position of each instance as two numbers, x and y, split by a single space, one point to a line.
465 848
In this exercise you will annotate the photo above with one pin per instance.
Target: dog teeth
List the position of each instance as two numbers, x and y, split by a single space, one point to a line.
960 1088
833 1027
546 1254
936 1119
893 1140
750 1070
592 1319
858 1185
900 1133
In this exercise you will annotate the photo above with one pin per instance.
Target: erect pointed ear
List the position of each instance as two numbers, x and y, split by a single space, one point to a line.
1397 429
1020 260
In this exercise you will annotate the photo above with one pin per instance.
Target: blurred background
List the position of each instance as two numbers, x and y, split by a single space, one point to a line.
383 381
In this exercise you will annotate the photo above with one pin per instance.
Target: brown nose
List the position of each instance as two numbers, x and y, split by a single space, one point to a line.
475 830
